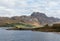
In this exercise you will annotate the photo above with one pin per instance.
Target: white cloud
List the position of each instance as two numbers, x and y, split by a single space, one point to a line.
52 4
20 7
4 11
2 7
8 3
22 4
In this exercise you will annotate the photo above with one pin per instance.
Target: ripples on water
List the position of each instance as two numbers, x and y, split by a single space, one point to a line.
18 35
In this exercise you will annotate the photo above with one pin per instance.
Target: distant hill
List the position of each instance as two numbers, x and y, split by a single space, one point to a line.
36 18
19 19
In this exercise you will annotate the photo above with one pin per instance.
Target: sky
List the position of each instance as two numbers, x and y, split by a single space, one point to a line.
9 8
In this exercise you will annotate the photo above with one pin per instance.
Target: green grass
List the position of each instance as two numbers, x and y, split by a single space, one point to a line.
17 25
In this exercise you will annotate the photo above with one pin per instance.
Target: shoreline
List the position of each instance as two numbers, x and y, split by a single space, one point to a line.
35 29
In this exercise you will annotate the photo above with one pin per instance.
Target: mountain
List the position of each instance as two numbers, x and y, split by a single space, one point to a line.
27 20
36 18
43 19
19 19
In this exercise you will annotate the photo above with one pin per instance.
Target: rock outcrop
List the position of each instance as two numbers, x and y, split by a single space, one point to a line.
43 19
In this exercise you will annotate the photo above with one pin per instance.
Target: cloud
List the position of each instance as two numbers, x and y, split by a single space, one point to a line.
7 3
26 7
4 11
52 4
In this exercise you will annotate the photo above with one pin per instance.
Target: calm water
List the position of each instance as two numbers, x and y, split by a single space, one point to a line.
17 35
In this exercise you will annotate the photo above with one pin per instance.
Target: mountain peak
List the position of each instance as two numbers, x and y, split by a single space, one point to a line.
36 14
43 19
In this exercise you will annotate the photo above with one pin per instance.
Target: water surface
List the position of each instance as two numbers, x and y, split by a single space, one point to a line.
17 35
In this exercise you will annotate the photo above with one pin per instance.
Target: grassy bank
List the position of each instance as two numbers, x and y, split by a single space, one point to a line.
46 28
23 26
